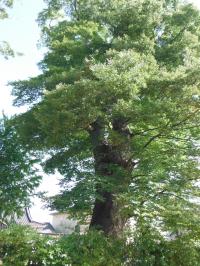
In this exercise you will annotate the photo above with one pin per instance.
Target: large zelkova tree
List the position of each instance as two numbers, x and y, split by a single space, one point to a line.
117 110
18 176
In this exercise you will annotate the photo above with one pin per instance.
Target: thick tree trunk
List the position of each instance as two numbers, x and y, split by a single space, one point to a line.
106 214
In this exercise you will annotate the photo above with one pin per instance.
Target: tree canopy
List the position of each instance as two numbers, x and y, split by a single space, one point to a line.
117 110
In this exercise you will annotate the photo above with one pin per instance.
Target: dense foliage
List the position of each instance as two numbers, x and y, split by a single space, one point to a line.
18 176
22 246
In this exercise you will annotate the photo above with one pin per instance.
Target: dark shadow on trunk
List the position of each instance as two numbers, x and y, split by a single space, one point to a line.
106 216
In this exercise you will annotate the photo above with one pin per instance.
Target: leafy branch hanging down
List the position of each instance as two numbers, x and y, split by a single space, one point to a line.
18 173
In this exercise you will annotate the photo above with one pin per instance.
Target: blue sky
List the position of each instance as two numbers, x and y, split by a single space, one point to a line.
22 32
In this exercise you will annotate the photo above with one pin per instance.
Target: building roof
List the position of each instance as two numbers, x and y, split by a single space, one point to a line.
42 228
26 219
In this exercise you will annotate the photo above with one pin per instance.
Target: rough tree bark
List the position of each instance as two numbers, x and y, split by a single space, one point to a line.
106 214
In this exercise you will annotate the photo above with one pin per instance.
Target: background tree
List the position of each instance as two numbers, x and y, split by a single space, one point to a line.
24 246
18 176
117 110
5 49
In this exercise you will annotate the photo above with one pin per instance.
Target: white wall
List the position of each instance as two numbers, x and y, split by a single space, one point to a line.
62 223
